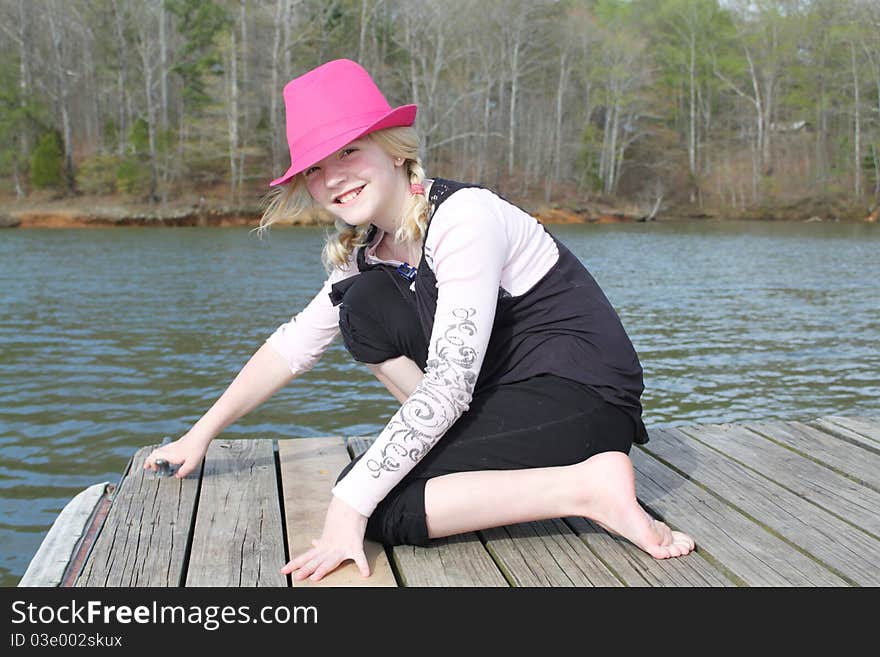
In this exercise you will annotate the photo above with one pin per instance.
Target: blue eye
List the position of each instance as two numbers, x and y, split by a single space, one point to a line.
348 150
310 171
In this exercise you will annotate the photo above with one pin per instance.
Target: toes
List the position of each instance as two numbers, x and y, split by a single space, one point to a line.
660 553
678 550
685 541
670 543
676 543
682 544
663 552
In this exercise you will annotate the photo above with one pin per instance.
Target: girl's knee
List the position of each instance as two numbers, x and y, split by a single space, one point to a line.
366 289
378 324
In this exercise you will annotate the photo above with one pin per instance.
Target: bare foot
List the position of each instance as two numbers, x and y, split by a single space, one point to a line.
608 497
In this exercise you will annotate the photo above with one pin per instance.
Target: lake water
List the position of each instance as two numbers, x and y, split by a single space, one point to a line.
111 339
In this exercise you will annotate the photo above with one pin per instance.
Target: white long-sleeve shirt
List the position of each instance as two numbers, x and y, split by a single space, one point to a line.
477 242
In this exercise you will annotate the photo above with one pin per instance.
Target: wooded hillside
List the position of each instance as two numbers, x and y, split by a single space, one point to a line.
696 102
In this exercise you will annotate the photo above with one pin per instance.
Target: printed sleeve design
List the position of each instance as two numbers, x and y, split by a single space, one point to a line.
423 418
469 250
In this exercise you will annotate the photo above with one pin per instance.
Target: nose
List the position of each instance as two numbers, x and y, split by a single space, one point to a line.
334 173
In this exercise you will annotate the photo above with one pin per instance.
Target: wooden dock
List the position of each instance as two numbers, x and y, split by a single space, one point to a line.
769 504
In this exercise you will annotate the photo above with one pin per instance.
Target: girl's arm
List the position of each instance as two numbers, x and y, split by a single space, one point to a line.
292 349
467 250
400 375
261 377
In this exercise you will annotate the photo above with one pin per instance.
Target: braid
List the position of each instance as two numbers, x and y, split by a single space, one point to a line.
342 244
415 214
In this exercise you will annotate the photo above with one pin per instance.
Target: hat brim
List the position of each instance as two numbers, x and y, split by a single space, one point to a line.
402 116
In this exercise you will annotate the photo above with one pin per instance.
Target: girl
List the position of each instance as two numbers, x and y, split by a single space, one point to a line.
519 387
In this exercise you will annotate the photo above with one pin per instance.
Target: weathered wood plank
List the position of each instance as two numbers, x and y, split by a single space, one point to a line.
459 561
636 568
238 540
145 537
861 432
52 558
834 492
546 553
768 504
309 467
850 460
454 561
746 551
838 545
84 547
868 427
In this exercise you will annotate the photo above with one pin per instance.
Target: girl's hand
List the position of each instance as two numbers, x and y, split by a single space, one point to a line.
186 451
342 539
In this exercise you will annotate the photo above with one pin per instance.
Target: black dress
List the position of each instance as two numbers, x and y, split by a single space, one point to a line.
560 382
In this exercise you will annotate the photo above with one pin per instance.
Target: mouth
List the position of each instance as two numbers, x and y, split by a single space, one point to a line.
348 197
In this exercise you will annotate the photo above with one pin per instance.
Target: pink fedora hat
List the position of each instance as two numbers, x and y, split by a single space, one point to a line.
330 106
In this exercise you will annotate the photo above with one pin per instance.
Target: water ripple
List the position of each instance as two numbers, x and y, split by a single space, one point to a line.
112 339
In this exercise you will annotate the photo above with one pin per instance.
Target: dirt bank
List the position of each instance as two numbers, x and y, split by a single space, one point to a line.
83 212
804 210
78 219
80 215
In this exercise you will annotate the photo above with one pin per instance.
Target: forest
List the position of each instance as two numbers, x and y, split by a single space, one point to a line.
689 106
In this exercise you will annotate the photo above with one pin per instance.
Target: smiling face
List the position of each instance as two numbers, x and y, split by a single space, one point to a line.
360 184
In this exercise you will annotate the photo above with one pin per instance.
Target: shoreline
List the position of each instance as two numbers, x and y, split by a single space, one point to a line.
92 213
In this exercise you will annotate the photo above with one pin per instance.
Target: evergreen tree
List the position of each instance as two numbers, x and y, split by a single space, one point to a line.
47 162
200 22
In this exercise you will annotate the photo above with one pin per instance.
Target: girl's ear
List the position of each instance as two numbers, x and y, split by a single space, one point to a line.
398 161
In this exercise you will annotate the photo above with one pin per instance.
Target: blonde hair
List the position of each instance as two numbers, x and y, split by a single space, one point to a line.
292 198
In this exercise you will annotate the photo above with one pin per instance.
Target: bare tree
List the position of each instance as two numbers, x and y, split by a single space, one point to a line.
60 48
767 46
520 30
147 47
488 51
561 86
232 115
690 24
282 17
245 85
871 49
588 44
624 72
163 65
121 75
24 90
368 11
857 126
431 38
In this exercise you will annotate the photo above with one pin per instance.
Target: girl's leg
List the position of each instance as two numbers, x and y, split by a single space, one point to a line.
458 493
602 488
